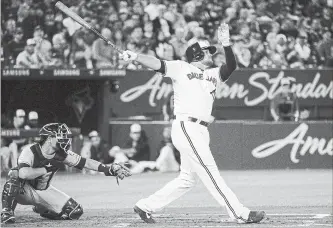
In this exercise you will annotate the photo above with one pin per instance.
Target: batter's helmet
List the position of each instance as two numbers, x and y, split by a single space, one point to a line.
194 52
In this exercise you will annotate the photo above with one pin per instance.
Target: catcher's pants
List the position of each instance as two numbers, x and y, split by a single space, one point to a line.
192 140
50 199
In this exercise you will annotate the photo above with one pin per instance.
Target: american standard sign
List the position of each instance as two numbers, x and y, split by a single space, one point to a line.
301 144
244 88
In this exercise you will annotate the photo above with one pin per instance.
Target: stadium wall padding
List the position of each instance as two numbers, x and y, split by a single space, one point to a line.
254 144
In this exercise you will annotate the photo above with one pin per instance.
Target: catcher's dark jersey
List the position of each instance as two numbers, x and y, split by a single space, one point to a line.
32 156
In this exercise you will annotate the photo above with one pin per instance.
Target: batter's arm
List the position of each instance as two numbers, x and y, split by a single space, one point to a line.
146 60
231 64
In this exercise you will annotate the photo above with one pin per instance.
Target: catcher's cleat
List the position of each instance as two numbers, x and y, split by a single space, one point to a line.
146 217
7 216
256 216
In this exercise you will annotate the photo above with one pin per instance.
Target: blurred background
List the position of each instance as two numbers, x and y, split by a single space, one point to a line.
274 112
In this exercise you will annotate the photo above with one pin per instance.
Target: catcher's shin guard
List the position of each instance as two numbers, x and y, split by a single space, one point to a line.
11 189
72 210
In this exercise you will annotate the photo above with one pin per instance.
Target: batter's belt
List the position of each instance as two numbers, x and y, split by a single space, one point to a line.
195 120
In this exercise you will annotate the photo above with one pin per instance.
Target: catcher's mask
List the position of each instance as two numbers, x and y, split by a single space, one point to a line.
194 52
60 131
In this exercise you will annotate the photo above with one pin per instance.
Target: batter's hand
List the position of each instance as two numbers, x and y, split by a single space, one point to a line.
223 34
128 56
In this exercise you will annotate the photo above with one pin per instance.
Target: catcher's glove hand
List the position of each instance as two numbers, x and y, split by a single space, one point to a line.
118 170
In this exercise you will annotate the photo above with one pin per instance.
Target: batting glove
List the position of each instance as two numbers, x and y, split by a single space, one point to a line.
128 56
223 34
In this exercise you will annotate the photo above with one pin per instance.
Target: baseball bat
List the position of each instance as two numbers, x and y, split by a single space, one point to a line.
82 22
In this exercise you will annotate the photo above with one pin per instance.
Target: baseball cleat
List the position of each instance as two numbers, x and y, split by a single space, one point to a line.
256 216
146 217
7 216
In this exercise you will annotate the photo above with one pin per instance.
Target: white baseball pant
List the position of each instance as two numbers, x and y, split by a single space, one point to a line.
192 140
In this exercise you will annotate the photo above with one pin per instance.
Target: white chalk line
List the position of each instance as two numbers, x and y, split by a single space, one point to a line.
216 214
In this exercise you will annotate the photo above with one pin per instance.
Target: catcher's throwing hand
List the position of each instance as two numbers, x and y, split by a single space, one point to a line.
223 34
128 55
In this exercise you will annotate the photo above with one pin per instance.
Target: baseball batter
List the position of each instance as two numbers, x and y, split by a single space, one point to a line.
29 183
194 84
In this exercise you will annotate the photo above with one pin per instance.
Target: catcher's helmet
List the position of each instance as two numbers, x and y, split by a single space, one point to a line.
60 131
194 52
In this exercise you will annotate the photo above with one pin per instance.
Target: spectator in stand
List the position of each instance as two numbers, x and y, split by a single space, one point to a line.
123 14
174 17
198 35
5 156
167 159
167 108
16 144
325 49
231 20
33 121
50 26
14 47
10 29
243 56
302 48
119 41
189 11
96 149
148 31
61 45
271 36
138 8
284 106
162 48
135 149
81 53
287 18
326 20
278 53
179 43
24 22
160 24
43 48
103 53
152 9
28 58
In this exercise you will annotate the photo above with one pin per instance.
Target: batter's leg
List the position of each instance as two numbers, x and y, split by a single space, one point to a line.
171 191
202 160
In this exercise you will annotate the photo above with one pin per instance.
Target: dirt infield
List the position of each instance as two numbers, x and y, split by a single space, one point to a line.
291 198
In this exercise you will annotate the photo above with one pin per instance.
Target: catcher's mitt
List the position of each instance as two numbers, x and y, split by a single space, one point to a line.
119 171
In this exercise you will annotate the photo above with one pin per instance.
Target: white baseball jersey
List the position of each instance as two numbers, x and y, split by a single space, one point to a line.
194 89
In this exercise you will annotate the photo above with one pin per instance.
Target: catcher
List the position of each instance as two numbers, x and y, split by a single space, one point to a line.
29 183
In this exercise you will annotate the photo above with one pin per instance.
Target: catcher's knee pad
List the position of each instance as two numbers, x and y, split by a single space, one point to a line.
72 209
11 189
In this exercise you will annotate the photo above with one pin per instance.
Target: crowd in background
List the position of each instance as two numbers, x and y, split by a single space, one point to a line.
265 33
134 151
